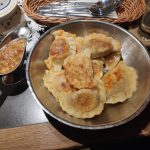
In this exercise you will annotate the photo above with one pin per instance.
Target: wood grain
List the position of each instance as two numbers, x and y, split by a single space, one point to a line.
146 130
34 137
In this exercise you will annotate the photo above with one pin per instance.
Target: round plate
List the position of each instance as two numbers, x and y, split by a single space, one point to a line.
133 53
7 8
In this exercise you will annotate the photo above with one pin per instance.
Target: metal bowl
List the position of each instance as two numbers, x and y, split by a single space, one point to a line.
134 54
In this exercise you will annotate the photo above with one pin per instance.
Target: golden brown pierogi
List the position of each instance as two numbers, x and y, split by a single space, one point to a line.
86 73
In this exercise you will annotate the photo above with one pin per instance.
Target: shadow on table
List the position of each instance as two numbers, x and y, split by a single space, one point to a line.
126 135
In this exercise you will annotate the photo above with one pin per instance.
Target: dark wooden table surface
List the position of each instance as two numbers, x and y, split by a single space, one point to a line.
54 135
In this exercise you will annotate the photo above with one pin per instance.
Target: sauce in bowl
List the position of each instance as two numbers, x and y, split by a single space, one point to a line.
11 55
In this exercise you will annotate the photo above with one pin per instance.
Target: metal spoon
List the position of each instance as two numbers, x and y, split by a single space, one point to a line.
22 32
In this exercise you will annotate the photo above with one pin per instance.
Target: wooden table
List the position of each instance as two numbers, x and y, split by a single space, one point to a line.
51 135
34 137
39 136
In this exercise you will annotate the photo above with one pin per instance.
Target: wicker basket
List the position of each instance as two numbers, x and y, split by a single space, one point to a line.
129 11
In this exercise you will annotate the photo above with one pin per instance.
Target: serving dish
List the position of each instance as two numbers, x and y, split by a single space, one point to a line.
9 44
133 53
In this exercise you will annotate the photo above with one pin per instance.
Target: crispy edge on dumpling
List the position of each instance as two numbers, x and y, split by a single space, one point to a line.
99 44
120 83
58 52
79 44
97 68
69 37
56 83
79 71
79 47
54 64
85 103
63 33
116 44
59 48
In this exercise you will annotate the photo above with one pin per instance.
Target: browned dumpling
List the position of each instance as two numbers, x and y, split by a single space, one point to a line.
84 103
70 39
99 44
79 71
63 33
87 72
79 44
120 83
63 46
59 48
54 64
97 68
56 83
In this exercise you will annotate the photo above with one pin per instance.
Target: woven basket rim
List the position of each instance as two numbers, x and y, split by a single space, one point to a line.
129 11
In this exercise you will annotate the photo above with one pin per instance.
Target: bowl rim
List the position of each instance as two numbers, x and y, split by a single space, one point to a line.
102 126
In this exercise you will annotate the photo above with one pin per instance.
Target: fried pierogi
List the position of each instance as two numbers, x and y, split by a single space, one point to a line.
63 33
99 44
54 64
79 71
62 46
79 44
85 73
59 48
84 103
56 83
70 38
97 68
120 83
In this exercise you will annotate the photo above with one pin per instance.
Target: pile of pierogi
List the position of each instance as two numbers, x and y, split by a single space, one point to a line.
86 73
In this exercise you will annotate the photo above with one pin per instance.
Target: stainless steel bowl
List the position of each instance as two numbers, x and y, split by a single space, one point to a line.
133 53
